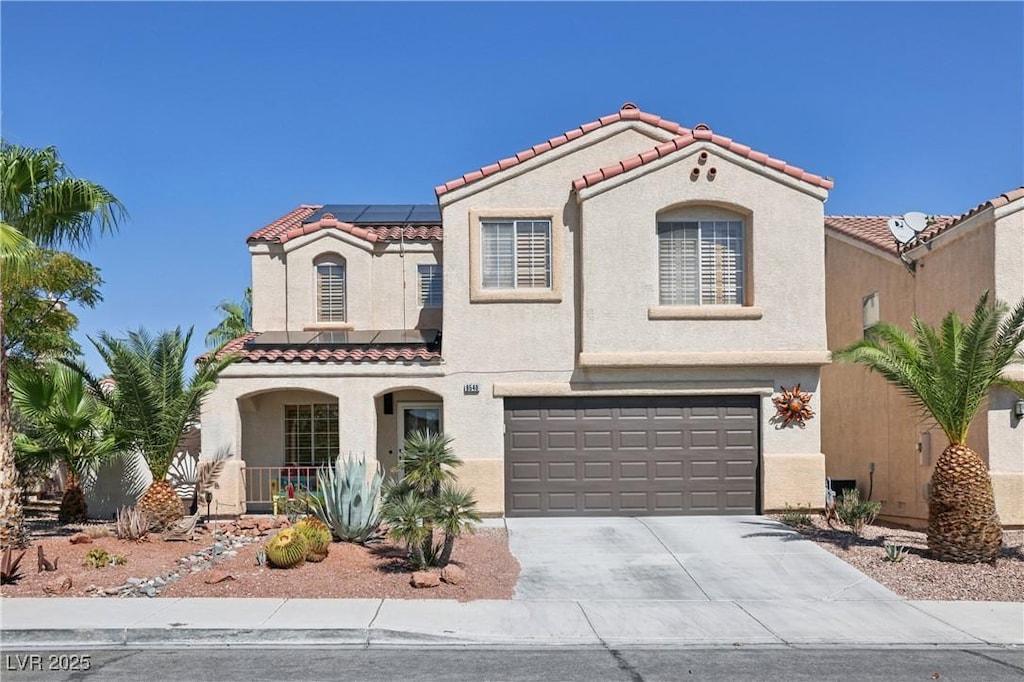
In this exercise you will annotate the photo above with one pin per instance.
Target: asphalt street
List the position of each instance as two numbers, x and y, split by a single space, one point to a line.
226 664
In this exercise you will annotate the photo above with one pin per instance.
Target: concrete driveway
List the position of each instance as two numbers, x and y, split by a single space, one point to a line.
713 558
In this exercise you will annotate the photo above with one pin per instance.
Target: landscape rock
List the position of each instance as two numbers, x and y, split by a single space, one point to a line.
217 577
453 575
59 585
425 579
80 539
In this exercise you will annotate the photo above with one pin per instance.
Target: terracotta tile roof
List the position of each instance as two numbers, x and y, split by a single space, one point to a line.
874 230
289 221
292 225
701 132
1001 200
353 355
628 112
393 233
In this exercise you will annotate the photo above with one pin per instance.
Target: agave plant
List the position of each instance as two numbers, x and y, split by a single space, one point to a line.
347 499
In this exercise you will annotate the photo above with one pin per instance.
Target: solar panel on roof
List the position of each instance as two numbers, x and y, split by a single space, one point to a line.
346 213
425 213
386 213
380 214
406 337
281 339
345 338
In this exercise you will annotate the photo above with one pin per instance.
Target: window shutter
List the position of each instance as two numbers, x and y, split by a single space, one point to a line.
721 262
677 263
533 254
330 292
431 283
498 262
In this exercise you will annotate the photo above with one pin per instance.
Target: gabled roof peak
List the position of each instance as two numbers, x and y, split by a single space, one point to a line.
627 112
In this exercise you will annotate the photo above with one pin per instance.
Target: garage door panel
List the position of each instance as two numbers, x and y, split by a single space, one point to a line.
631 456
565 471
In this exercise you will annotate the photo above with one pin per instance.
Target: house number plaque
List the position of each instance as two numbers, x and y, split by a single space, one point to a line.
471 389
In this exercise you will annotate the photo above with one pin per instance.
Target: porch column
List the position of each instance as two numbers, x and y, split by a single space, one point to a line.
357 420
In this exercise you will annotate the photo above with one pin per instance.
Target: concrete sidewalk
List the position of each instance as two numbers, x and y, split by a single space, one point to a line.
105 623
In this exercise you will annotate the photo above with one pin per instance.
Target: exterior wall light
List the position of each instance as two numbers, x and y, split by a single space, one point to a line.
1018 409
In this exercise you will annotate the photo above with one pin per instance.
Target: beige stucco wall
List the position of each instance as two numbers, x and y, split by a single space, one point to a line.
620 260
382 282
865 420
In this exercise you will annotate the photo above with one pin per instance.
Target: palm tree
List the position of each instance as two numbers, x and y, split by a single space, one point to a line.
237 320
948 373
65 424
41 203
153 402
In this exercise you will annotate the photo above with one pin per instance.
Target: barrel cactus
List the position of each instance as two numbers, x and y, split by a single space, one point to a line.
348 499
317 535
286 549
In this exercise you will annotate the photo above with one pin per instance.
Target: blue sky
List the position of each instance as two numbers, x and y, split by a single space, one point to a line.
210 120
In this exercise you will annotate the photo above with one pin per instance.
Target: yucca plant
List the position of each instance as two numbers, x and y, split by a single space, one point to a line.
426 499
947 372
152 403
347 499
65 424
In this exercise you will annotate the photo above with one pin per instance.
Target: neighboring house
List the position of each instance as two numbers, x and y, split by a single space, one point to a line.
867 424
601 333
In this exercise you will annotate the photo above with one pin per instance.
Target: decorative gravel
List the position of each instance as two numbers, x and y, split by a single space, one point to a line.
917 576
227 554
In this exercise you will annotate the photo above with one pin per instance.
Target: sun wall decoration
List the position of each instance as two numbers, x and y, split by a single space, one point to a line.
793 406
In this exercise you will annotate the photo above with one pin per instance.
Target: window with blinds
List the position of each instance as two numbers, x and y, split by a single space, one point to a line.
516 254
330 292
430 286
701 262
310 434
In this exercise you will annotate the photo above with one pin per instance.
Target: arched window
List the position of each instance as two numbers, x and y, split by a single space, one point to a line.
330 289
701 257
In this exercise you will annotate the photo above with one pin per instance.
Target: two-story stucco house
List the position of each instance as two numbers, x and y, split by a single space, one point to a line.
599 321
870 432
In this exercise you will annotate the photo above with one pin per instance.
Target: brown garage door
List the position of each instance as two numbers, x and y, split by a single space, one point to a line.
631 456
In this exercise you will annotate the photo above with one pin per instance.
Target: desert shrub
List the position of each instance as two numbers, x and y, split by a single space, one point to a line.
855 512
97 531
796 516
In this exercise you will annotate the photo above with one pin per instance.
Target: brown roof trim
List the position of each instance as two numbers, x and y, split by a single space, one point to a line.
700 133
628 112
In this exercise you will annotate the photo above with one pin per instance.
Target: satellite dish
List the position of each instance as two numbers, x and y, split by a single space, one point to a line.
901 231
916 220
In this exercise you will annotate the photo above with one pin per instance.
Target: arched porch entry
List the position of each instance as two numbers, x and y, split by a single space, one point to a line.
286 434
400 411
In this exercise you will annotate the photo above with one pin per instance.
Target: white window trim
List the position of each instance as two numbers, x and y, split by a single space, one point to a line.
478 294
